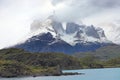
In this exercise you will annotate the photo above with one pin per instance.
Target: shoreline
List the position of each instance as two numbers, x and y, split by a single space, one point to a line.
63 74
42 75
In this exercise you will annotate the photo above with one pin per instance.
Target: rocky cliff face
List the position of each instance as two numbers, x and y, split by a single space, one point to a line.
53 36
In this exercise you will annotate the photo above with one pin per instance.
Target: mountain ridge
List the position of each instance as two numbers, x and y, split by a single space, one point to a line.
73 31
52 36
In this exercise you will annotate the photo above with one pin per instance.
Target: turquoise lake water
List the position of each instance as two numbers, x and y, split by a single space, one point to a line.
90 74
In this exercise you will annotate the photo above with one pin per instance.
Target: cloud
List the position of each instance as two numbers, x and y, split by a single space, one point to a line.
100 3
55 2
17 15
70 10
97 12
75 9
106 3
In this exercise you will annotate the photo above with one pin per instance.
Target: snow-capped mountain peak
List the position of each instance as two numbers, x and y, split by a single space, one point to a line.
70 32
51 35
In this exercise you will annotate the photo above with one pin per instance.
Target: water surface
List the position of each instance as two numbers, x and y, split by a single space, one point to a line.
90 74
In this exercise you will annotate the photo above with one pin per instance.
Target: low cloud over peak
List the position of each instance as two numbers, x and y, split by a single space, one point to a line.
83 9
17 15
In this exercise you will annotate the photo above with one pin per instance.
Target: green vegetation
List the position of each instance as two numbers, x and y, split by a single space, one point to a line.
103 53
13 68
108 56
90 61
17 62
115 62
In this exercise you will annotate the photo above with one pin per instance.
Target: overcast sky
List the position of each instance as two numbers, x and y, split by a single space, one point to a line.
17 15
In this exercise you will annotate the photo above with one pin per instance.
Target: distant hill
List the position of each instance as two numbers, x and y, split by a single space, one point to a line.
17 62
103 53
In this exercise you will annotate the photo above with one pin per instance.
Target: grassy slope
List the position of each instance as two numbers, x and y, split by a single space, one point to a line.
108 56
103 53
17 62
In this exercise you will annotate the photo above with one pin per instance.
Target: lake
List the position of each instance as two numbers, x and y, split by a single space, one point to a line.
90 74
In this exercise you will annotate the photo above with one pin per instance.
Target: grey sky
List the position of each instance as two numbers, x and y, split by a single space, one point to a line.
85 8
17 15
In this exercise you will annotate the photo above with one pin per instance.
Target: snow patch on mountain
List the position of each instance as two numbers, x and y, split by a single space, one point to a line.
70 32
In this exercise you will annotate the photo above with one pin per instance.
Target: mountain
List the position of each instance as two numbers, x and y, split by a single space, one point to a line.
54 36
103 53
19 63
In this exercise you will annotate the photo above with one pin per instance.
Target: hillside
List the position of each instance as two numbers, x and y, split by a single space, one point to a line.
103 53
17 62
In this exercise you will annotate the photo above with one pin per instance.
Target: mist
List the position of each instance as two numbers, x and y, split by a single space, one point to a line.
16 16
104 14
